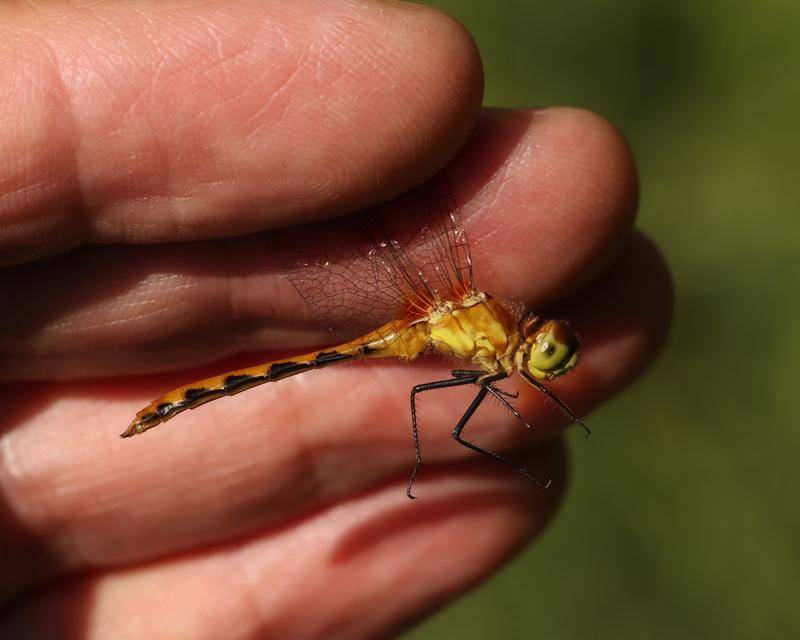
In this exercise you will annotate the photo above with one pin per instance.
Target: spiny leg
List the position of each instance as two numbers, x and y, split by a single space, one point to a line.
484 391
461 373
506 394
467 373
455 381
501 397
560 403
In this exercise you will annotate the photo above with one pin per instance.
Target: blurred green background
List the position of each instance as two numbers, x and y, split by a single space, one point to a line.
683 519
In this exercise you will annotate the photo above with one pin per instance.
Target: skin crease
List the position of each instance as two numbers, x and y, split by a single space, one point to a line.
145 148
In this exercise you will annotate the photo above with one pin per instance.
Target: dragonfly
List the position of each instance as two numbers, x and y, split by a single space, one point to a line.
400 276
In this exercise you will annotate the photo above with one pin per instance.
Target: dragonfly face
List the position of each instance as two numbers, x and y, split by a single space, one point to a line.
549 348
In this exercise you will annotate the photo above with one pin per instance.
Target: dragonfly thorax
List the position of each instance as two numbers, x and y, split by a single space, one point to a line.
476 328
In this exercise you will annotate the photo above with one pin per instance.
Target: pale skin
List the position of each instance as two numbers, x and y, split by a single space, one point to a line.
142 145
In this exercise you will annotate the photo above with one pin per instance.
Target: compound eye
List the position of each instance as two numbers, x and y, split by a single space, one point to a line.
553 350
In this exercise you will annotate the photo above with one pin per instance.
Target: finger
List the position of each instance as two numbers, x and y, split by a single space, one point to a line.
153 121
547 199
256 459
371 565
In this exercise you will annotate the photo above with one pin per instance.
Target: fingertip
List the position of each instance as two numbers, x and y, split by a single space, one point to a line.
549 197
599 158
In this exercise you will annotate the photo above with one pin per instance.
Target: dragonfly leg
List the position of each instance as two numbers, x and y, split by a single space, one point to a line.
492 377
501 397
484 391
456 381
505 394
558 402
467 373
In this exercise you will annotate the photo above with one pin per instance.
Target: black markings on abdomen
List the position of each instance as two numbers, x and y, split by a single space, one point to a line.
198 395
238 382
168 409
330 357
280 370
149 419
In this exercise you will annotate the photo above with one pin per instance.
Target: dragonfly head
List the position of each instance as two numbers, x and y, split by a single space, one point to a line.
549 348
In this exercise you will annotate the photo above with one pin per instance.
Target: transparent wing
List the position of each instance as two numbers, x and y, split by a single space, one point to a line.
388 262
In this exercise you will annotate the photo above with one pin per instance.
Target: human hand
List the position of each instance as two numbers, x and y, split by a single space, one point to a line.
158 140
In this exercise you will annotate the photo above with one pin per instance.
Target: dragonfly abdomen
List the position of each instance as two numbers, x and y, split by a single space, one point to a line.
395 340
231 383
